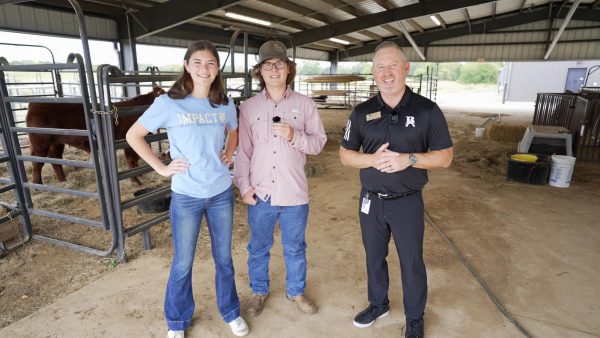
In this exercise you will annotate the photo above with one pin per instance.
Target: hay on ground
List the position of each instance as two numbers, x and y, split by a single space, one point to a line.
506 132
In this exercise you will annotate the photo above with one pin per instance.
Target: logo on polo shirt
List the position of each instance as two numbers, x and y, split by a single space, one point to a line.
410 121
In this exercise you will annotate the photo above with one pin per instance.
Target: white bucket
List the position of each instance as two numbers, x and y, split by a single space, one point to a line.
561 171
479 132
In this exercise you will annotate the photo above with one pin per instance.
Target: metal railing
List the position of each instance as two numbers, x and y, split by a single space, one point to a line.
360 91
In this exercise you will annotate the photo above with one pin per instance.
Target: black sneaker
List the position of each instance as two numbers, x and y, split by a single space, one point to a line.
414 328
367 317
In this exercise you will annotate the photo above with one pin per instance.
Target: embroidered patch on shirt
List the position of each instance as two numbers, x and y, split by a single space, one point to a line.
373 116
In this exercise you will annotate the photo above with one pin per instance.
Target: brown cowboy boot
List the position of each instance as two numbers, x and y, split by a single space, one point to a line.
256 304
304 304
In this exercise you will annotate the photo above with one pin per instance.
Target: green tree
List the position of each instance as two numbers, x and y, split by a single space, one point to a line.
450 71
479 73
311 68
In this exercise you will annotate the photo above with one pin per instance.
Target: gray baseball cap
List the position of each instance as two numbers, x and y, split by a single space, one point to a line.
272 50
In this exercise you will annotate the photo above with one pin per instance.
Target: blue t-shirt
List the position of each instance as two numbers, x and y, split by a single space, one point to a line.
196 131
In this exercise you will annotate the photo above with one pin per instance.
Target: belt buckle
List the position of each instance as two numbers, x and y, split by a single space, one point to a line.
382 196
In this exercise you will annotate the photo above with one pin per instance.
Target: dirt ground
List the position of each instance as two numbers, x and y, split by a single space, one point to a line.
470 193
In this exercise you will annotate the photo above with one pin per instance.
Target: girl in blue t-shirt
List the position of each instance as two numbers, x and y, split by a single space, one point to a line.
196 112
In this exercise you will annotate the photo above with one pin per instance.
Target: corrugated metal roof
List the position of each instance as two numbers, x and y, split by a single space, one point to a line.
359 36
281 12
402 3
380 31
60 22
370 6
425 22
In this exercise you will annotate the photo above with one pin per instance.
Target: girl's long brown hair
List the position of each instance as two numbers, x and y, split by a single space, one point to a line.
184 85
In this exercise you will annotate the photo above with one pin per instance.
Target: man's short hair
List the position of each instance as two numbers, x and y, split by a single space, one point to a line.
390 44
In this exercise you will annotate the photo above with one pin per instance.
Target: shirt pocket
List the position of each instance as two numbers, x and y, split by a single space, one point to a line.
260 128
295 118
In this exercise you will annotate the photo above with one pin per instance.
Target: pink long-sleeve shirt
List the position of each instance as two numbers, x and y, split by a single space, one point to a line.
270 164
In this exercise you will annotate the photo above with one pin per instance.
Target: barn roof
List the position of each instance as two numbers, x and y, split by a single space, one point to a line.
335 29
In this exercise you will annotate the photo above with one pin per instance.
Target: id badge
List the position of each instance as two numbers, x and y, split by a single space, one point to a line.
366 205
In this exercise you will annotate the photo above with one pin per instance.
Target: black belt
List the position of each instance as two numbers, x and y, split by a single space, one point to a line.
387 197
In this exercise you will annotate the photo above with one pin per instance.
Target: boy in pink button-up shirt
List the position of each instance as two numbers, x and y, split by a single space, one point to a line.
277 129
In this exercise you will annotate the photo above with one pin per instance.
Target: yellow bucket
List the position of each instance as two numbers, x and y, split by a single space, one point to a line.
524 157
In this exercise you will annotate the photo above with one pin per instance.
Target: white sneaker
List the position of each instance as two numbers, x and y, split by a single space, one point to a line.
239 327
175 334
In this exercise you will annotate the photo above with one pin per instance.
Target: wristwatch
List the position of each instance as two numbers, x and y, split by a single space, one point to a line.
412 159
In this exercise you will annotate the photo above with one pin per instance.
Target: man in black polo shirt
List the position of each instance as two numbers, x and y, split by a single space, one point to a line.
402 134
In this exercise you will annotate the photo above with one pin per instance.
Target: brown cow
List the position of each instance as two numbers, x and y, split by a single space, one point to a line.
70 116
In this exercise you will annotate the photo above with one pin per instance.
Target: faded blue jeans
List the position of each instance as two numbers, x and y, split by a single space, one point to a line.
292 222
186 217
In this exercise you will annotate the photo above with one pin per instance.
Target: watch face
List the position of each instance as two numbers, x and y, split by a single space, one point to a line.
412 159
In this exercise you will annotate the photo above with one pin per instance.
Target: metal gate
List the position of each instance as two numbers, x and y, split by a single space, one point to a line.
579 113
109 77
14 130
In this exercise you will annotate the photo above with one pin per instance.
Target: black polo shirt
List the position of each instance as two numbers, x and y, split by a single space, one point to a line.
415 125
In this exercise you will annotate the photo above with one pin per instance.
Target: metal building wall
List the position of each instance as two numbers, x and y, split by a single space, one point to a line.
44 21
526 79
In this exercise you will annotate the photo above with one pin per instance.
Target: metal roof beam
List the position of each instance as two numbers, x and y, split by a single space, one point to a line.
89 8
562 28
401 13
468 18
415 25
442 22
215 35
276 20
342 6
385 4
303 11
332 44
522 5
371 35
320 47
352 40
392 30
412 42
478 27
173 13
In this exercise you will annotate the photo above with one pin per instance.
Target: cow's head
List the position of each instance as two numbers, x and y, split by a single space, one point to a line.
157 91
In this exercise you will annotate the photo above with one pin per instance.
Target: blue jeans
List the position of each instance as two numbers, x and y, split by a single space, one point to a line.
186 217
292 222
